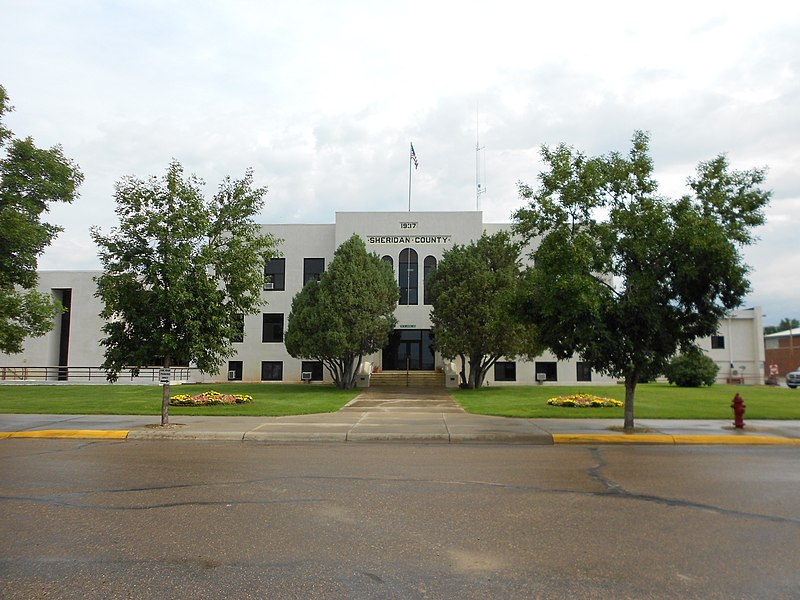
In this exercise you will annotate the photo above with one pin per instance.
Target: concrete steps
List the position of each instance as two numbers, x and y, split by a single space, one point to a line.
407 379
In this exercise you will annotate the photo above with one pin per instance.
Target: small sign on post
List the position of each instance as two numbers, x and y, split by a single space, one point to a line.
163 375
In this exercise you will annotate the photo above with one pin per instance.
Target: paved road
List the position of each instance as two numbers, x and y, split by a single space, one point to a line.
155 519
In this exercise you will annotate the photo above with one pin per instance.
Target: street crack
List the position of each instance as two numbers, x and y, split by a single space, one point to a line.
615 489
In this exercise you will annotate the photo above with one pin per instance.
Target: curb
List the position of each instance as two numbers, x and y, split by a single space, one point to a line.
271 437
530 439
675 440
556 439
192 436
108 434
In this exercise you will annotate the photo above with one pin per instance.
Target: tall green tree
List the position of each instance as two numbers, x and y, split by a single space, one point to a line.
179 271
625 277
785 325
473 292
345 316
31 179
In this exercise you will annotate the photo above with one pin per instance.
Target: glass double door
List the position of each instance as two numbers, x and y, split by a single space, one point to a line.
409 349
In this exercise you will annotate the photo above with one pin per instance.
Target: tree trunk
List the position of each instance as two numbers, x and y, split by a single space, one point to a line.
357 369
630 388
165 397
479 380
475 378
335 372
331 368
479 376
349 373
463 373
485 365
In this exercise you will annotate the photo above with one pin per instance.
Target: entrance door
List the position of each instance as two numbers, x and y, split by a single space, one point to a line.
409 349
409 354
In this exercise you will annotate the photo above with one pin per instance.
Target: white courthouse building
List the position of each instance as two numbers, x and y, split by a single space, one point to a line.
412 243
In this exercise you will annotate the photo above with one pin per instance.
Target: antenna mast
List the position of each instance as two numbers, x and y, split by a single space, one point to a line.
479 189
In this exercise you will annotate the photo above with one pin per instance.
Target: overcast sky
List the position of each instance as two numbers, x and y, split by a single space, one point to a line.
322 98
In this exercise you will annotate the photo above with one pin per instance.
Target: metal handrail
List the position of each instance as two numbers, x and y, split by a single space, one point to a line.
27 373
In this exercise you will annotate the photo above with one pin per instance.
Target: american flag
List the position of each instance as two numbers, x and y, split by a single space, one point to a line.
414 157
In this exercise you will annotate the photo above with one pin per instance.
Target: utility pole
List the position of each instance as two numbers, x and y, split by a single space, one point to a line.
479 189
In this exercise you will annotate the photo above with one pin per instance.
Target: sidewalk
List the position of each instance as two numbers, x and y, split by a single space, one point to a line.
429 416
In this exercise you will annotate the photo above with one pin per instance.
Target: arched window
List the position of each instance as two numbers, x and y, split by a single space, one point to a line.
388 260
408 277
429 265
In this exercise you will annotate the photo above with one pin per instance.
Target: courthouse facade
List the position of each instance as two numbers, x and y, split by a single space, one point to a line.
412 243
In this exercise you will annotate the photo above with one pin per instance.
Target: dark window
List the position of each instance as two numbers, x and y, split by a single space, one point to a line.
234 370
65 296
314 367
388 260
275 274
584 372
272 328
271 370
429 266
238 327
717 342
505 371
546 371
312 269
408 277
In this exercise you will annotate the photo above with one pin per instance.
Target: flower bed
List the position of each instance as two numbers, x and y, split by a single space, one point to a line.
584 401
210 398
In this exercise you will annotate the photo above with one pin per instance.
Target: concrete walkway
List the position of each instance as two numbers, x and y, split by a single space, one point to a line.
399 415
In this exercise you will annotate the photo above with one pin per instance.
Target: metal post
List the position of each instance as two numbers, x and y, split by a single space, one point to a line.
409 180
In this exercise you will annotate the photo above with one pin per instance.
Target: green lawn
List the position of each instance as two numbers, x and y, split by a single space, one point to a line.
268 400
653 401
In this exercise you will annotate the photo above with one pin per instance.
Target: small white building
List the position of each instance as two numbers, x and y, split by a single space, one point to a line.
738 347
412 243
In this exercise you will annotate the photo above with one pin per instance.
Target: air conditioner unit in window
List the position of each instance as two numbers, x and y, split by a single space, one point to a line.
269 286
541 377
231 375
305 375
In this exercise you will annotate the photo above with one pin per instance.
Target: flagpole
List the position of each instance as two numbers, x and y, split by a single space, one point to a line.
409 176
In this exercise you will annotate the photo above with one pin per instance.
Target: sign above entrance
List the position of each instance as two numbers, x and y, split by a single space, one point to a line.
407 326
409 239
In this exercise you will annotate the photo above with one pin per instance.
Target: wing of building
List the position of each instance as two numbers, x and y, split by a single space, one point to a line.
412 243
782 352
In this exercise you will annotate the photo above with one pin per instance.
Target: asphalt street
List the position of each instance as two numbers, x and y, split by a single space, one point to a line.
168 519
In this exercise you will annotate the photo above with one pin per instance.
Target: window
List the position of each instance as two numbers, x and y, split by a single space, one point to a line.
314 367
546 371
505 371
275 274
312 269
429 266
584 372
717 342
388 260
272 328
234 370
408 277
237 323
271 370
